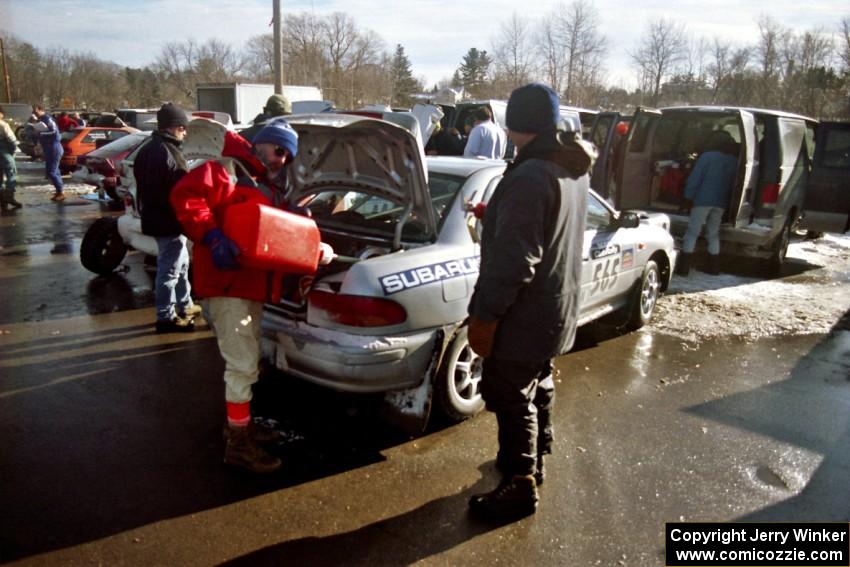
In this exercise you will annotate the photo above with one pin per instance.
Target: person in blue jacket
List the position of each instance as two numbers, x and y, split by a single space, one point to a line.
707 195
52 151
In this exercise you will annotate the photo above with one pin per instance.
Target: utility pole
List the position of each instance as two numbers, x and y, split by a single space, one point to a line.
278 50
6 80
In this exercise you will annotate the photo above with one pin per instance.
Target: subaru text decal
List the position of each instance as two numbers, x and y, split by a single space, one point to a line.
415 277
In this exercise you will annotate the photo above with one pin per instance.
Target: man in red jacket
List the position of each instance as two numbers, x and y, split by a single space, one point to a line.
233 294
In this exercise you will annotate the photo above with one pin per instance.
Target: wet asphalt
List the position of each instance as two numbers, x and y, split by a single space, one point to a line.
111 445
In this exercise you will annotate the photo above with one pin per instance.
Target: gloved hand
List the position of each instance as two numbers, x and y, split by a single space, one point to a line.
481 335
326 254
224 250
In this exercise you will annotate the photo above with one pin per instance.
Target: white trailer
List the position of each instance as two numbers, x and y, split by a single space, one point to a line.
243 101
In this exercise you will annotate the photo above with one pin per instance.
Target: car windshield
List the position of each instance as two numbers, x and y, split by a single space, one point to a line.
125 144
377 216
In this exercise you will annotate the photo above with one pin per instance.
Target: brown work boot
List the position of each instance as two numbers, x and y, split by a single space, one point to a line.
262 433
58 197
514 498
241 450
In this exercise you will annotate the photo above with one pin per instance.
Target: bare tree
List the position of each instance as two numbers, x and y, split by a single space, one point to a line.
844 42
719 70
549 53
773 40
512 54
661 49
583 45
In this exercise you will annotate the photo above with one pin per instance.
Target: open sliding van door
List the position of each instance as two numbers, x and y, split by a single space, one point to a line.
634 166
741 205
826 207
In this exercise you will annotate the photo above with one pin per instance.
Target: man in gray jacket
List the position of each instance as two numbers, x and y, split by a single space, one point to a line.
525 306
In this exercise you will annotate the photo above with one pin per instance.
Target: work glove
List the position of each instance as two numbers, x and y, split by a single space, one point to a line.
224 250
481 335
326 254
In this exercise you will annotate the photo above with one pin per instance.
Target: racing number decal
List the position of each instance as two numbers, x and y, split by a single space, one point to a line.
605 274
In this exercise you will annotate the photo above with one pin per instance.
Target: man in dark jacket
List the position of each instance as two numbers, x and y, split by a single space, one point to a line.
525 306
276 105
158 167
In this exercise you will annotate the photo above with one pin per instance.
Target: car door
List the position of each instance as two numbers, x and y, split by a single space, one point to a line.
608 259
741 205
826 207
601 136
634 167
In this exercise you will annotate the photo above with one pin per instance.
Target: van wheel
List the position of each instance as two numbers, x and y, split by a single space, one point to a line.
458 386
644 297
780 249
102 249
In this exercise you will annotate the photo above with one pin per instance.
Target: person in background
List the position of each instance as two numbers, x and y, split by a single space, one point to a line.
8 169
158 167
486 140
81 123
524 309
708 191
50 140
276 105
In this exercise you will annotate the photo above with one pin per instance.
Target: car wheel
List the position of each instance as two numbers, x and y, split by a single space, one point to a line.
780 249
102 248
644 297
458 386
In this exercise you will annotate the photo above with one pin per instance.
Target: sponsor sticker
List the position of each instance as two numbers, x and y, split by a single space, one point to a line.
628 258
424 275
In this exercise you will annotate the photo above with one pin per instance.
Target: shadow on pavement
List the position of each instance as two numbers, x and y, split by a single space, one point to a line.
811 410
431 529
99 443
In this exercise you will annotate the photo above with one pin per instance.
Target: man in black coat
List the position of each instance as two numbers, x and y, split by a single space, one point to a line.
525 306
158 167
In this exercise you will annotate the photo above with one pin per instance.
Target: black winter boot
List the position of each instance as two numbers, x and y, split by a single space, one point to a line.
683 264
514 498
713 264
241 450
9 199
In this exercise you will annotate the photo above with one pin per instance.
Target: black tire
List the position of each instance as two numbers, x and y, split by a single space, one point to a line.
458 385
780 249
102 249
813 235
644 297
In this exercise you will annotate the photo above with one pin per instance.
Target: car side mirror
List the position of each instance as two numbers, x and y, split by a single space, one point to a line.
628 220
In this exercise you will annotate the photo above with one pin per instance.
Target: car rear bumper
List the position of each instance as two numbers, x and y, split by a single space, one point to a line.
346 362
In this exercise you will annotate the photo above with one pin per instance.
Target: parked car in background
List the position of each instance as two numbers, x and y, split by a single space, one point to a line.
138 118
17 115
102 167
28 140
80 141
775 158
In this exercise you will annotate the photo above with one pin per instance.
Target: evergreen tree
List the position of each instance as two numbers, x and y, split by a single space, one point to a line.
474 71
403 83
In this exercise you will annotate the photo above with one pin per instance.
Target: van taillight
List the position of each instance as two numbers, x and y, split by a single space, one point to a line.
358 310
770 194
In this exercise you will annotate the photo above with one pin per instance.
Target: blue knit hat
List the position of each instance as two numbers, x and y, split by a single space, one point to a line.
279 133
533 108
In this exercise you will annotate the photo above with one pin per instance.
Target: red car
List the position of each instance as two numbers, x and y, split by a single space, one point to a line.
101 167
80 141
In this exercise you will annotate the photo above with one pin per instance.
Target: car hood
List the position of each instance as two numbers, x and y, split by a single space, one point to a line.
364 154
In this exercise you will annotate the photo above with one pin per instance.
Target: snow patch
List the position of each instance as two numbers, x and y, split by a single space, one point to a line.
702 306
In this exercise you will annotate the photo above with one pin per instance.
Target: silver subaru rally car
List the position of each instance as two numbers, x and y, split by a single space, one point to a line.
388 315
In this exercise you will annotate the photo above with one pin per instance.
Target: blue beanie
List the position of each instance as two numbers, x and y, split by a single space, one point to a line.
533 108
279 133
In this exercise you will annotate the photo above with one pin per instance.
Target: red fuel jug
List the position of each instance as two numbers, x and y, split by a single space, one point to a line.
272 239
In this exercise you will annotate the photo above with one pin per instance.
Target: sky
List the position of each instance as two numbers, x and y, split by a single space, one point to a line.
435 33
